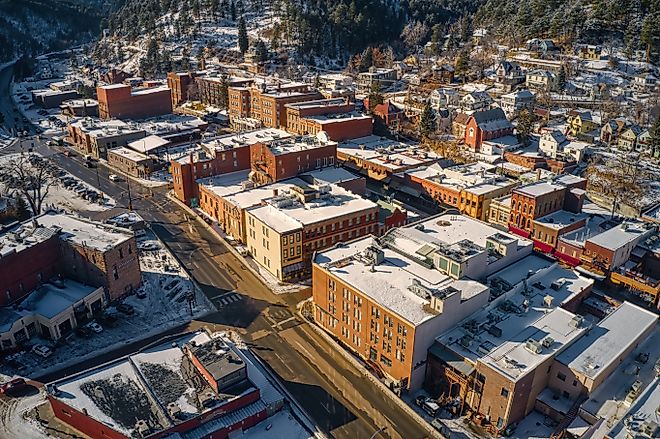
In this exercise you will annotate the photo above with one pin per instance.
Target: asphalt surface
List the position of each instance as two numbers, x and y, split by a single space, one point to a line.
335 394
12 117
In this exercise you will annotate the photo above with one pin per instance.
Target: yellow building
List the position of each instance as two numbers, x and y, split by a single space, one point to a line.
582 122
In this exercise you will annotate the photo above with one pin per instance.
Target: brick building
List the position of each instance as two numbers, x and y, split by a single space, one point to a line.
94 401
290 226
486 125
266 102
58 244
120 101
336 117
423 266
179 84
131 162
497 370
543 198
217 156
281 159
93 137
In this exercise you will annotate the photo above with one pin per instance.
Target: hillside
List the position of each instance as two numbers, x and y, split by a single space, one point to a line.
35 26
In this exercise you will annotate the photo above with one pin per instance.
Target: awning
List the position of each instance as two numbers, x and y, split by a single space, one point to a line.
451 359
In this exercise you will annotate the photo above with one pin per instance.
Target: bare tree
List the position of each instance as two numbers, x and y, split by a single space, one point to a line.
29 175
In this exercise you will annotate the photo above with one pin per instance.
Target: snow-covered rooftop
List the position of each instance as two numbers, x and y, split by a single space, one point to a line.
593 353
620 235
561 219
148 144
84 232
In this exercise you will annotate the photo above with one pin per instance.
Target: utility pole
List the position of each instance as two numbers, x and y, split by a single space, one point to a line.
130 200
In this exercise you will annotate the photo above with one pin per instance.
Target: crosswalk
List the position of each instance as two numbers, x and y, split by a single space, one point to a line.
227 298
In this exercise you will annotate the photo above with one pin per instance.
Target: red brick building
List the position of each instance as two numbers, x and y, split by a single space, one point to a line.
387 113
282 159
122 102
266 102
179 84
486 125
336 117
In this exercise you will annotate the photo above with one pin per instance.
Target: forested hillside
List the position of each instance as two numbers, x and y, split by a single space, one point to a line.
34 26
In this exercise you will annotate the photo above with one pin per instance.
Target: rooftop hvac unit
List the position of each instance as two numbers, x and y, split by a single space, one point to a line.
649 429
547 342
173 409
556 285
576 321
495 331
142 427
207 400
547 301
465 341
533 346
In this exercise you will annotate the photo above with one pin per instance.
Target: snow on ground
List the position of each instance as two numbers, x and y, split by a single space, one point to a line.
17 420
166 304
69 199
280 425
273 283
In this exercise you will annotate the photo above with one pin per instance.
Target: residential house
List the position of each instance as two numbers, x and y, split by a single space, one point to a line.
476 101
513 103
590 52
610 132
541 80
444 98
629 137
443 73
509 74
582 122
645 82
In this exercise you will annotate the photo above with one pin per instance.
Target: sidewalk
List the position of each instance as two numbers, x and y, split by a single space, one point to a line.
274 284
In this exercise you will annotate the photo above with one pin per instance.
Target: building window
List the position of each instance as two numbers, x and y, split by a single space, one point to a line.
504 392
561 376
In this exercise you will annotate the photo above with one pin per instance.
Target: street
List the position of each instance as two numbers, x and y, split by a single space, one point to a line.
330 388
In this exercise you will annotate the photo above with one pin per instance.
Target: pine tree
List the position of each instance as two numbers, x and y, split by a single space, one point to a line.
561 78
427 124
366 60
22 209
524 126
260 51
375 96
224 92
243 41
462 64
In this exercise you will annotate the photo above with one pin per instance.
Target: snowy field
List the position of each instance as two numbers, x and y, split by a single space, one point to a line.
166 287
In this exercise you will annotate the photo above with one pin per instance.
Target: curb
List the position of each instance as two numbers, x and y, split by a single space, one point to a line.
215 233
383 388
318 432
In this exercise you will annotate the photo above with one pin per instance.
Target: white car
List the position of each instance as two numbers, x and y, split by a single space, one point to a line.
114 177
95 327
42 350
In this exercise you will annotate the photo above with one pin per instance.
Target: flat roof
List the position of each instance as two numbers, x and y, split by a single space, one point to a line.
22 237
388 284
538 189
620 235
49 300
340 117
604 344
561 219
129 154
148 144
297 144
84 232
285 213
643 410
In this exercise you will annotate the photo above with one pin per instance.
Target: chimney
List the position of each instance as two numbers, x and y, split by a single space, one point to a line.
538 174
275 192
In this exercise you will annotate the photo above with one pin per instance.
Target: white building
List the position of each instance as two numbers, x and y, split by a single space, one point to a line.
513 103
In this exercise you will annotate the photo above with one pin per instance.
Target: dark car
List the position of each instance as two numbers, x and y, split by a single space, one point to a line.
109 320
15 385
84 332
126 308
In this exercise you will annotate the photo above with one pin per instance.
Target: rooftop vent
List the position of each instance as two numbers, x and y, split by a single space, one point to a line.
174 410
142 427
547 342
576 321
533 346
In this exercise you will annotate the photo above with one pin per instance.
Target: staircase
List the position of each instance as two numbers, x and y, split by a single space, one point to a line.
560 430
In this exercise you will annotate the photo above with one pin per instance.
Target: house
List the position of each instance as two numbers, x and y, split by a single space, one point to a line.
381 78
443 73
486 125
552 143
645 82
459 125
513 103
388 113
628 138
444 98
582 122
509 73
541 45
542 80
589 52
476 101
610 132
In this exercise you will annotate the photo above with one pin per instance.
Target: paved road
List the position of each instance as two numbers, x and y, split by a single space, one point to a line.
330 388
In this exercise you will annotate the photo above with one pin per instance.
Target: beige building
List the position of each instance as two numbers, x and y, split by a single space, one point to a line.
499 211
284 232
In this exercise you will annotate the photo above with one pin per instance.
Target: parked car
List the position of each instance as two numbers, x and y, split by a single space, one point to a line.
441 427
42 350
148 246
109 320
114 177
95 327
431 407
126 308
15 385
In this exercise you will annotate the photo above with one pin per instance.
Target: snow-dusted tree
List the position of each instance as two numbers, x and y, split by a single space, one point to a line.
30 177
